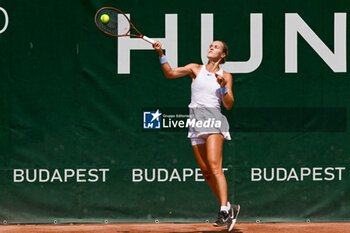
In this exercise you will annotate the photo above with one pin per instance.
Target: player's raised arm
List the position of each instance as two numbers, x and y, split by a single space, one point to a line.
172 72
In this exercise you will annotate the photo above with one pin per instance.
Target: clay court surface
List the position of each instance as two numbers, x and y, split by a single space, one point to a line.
188 227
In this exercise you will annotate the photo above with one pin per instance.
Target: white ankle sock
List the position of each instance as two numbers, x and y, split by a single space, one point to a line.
224 208
229 205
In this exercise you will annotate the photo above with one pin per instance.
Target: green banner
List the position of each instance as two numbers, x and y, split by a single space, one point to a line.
77 143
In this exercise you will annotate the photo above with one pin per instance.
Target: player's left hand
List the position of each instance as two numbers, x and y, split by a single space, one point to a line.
221 80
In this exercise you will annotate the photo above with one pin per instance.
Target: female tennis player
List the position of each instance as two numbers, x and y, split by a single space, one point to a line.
210 86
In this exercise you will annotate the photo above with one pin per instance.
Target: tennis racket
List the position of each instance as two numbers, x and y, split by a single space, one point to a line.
110 27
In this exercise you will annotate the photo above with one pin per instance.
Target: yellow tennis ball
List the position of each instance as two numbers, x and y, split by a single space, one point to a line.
104 18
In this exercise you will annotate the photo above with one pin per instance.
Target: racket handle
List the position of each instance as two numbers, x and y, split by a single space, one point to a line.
149 40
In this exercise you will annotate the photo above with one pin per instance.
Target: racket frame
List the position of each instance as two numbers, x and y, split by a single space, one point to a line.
149 40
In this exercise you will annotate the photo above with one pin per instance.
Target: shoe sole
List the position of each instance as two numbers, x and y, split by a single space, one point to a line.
234 220
217 225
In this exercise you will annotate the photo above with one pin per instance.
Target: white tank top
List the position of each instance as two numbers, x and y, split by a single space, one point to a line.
205 90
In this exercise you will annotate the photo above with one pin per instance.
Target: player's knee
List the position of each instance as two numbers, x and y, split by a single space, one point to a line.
206 174
216 171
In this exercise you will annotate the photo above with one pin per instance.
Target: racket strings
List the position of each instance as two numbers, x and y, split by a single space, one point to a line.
115 20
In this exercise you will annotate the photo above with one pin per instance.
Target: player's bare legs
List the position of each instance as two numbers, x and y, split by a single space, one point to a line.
212 171
209 158
200 152
214 156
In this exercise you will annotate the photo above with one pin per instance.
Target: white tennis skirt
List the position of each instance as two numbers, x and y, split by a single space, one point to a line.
205 120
